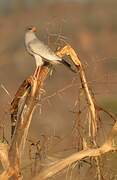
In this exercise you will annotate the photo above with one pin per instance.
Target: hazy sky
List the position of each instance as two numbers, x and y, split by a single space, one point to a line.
7 6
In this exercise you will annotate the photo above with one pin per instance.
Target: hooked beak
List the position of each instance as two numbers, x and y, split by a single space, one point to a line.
34 29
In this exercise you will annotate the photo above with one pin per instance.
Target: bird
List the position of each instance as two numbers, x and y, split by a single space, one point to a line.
42 53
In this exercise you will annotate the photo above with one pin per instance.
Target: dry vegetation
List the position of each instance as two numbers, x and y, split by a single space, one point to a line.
70 136
22 110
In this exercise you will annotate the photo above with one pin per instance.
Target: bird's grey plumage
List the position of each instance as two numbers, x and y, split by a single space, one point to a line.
40 51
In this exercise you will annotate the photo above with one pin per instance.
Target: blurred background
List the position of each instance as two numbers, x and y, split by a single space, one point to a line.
90 26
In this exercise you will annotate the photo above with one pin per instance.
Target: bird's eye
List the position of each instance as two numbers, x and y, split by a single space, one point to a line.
30 28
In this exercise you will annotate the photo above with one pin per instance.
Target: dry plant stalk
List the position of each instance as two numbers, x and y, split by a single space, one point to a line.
4 155
69 51
88 152
23 123
12 160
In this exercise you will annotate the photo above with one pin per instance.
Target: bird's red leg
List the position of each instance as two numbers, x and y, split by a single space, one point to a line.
37 71
35 75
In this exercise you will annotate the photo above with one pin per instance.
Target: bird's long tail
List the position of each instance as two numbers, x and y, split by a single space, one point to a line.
68 65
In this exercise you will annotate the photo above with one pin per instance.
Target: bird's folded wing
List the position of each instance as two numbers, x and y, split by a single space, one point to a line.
38 47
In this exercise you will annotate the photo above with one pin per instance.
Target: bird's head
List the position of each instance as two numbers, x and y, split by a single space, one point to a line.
31 29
